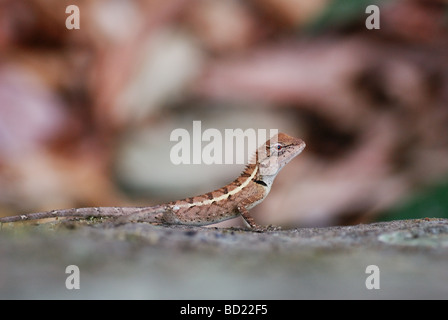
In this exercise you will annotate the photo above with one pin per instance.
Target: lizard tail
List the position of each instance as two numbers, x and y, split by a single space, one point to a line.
144 214
97 212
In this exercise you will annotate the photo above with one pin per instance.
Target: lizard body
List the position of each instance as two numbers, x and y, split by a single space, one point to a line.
236 198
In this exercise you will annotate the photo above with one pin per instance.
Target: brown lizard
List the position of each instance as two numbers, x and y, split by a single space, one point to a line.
236 198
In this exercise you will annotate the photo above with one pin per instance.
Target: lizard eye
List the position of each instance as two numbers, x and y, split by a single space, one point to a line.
278 146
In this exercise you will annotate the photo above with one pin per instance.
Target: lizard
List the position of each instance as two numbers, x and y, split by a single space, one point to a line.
230 201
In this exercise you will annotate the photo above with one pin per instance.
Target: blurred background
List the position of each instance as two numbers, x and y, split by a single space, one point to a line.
86 115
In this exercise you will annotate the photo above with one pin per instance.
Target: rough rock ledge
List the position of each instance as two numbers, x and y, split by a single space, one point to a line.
134 261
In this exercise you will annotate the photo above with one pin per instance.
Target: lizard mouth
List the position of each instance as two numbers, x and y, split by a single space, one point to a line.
302 146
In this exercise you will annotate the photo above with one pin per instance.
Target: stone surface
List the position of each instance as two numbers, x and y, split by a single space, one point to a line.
136 261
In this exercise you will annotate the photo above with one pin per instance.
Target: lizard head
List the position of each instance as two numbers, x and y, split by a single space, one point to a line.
276 153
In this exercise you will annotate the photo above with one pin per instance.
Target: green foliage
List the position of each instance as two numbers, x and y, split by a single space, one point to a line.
341 13
430 203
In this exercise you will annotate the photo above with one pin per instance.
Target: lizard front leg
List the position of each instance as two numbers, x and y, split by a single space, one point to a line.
242 209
